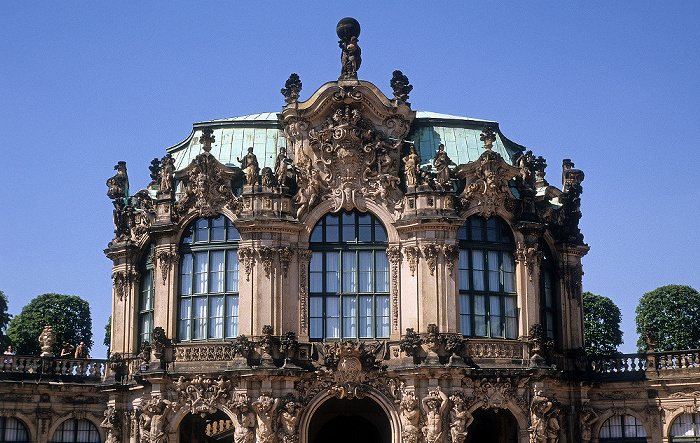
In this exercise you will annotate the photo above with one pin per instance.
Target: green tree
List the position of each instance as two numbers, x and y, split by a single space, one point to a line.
4 320
601 319
68 315
672 314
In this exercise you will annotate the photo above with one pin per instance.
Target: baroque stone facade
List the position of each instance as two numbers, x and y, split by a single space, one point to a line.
392 276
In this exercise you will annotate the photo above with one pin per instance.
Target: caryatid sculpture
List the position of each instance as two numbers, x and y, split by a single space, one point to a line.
434 409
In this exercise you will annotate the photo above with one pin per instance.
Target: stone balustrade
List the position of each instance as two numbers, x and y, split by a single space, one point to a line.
674 360
61 367
619 364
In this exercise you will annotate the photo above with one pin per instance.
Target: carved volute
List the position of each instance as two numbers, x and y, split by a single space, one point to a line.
346 143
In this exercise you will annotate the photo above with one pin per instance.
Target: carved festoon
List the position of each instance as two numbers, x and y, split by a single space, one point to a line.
529 256
451 255
411 253
430 252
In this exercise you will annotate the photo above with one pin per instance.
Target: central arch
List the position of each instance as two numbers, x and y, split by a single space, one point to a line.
370 419
493 426
348 421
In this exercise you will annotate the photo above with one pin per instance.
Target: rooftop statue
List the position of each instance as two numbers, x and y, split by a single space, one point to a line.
348 31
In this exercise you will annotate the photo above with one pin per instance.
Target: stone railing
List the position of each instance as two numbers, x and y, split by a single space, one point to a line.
675 360
18 365
619 364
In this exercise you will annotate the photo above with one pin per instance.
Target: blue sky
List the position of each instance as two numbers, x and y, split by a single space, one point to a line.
611 85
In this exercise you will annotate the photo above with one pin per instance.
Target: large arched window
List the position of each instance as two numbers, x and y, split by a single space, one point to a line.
487 296
208 290
686 429
12 429
547 293
146 297
76 431
622 429
348 278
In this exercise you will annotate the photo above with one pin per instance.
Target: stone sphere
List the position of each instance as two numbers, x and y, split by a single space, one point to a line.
347 28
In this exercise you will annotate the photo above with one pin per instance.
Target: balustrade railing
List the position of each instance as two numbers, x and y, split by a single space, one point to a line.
673 360
619 364
75 367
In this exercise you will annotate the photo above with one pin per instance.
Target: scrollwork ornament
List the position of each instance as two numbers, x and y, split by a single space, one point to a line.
286 253
164 260
528 256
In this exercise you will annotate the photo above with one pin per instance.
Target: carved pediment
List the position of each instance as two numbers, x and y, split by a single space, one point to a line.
346 141
206 187
486 187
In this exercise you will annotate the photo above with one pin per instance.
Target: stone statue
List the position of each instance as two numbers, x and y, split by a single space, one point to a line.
249 164
265 408
288 420
154 169
118 185
281 168
144 428
442 163
460 419
166 173
267 178
244 421
348 31
399 83
426 176
292 88
47 340
411 164
158 407
410 418
544 418
112 425
434 408
586 420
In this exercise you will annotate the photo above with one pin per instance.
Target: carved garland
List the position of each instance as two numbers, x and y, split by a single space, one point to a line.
247 257
412 256
430 252
304 256
529 257
394 255
451 255
164 260
286 254
266 254
122 282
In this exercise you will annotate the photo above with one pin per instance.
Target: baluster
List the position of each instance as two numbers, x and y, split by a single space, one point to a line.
208 429
696 360
633 363
625 364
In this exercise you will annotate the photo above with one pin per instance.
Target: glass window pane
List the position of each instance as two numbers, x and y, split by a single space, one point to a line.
478 273
349 227
611 428
201 230
477 228
349 272
332 317
200 318
495 317
316 272
186 274
492 228
232 316
381 303
200 272
233 232
317 234
185 316
494 271
379 232
232 271
508 272
332 228
382 271
365 267
350 317
216 271
332 272
464 315
479 315
216 317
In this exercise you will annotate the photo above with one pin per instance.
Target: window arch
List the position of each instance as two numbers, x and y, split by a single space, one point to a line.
76 430
548 299
12 429
685 428
146 297
487 294
622 429
208 288
348 278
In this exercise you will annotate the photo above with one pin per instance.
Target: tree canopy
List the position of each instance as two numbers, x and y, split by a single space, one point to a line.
68 315
672 315
4 320
601 318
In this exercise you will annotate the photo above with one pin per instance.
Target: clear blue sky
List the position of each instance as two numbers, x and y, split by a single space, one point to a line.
612 85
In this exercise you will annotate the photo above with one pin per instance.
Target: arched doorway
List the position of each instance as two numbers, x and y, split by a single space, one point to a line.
492 426
206 428
349 421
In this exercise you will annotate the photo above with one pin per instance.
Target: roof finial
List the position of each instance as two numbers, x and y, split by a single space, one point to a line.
207 139
348 31
488 137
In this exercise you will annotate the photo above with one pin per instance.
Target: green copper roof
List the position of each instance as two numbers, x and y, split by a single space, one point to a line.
263 132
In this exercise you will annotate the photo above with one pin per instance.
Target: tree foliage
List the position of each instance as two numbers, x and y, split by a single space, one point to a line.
4 320
108 335
672 315
602 319
68 315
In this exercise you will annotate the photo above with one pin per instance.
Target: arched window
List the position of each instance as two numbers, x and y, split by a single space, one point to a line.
686 428
146 296
547 293
208 290
12 429
487 296
348 278
622 429
76 431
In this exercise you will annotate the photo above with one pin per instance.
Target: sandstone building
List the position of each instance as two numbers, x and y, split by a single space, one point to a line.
349 269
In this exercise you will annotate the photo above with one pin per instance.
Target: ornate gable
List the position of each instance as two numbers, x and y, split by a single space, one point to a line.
346 144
